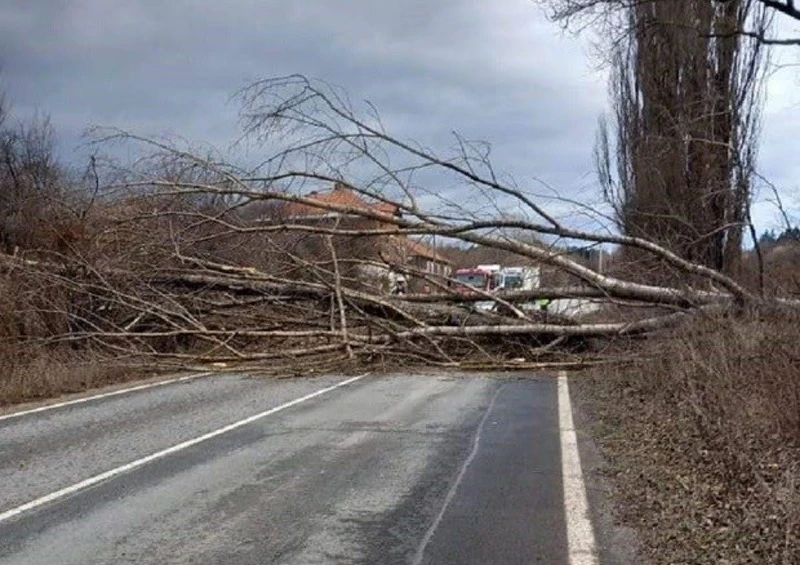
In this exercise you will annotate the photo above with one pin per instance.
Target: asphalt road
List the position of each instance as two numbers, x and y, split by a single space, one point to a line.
382 470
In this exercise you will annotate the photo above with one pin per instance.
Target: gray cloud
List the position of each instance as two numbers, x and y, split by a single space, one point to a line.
493 71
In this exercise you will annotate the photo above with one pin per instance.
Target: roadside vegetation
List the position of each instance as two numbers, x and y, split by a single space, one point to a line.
700 429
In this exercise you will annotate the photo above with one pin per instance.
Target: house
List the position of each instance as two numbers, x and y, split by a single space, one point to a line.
378 257
426 259
341 196
417 257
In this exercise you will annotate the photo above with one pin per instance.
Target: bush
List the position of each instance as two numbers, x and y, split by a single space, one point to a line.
31 374
702 430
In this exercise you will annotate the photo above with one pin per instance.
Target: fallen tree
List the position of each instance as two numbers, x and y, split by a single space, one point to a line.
193 259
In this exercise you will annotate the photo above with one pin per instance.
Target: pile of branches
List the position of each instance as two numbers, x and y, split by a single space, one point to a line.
191 259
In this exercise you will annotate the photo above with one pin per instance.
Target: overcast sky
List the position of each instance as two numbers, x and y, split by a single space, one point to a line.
496 71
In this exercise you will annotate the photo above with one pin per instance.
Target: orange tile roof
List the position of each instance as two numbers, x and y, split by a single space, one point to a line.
341 196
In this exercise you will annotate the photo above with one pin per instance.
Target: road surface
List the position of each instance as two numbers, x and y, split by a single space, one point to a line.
235 469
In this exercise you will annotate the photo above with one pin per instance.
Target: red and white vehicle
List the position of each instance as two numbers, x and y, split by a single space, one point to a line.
489 279
484 278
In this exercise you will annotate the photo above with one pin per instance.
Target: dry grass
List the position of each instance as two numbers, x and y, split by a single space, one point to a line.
30 312
702 432
29 374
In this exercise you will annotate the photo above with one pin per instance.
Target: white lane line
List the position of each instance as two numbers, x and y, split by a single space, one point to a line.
66 491
580 535
102 395
476 441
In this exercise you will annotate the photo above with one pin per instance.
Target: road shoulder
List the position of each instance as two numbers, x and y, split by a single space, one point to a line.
617 544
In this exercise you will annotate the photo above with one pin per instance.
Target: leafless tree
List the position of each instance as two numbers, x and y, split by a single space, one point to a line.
677 157
604 12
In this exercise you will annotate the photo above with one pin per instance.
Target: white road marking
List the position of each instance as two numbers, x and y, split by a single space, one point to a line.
580 535
102 395
66 491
